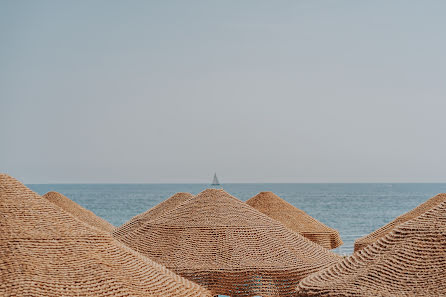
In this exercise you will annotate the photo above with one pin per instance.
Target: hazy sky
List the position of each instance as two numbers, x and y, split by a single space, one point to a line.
259 91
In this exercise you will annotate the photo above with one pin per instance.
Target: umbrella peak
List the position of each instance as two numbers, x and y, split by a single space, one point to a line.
157 211
216 208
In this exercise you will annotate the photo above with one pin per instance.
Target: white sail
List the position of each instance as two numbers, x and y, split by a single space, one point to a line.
215 181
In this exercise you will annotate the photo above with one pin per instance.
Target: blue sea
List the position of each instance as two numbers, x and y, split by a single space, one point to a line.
353 209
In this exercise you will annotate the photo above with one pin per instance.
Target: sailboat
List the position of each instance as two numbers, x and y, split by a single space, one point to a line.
215 181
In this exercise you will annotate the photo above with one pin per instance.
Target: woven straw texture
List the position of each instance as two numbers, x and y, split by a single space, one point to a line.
78 211
156 211
45 251
227 246
377 234
295 219
408 261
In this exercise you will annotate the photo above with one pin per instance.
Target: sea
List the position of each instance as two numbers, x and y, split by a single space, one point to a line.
353 209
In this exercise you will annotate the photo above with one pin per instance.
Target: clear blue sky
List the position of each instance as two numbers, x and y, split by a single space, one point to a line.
259 91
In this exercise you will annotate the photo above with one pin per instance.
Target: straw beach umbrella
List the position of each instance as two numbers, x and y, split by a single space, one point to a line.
156 211
381 232
227 246
408 261
295 219
45 251
78 211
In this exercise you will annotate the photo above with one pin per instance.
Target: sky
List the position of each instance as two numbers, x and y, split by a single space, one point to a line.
257 91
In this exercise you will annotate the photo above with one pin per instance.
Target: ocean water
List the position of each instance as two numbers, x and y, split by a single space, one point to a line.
353 209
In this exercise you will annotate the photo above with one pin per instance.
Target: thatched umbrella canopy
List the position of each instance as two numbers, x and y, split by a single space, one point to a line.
295 219
156 211
381 232
78 211
45 251
227 246
408 261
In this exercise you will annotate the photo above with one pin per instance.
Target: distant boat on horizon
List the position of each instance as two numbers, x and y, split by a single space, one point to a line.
215 181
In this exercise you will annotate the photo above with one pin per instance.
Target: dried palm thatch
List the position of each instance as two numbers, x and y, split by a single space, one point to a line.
381 232
45 251
78 211
295 219
408 261
156 211
227 246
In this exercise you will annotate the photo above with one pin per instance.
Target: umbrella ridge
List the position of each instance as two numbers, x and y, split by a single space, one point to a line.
410 260
78 211
295 219
381 232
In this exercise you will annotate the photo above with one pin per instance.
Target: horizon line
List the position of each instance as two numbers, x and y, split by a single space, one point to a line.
229 183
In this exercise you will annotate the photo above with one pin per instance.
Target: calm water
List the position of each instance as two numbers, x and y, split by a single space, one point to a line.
353 209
